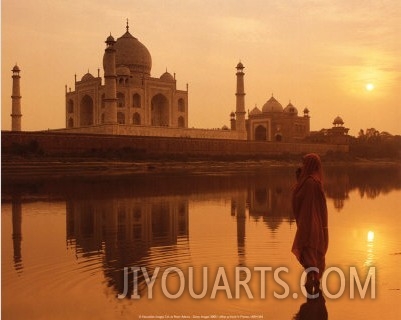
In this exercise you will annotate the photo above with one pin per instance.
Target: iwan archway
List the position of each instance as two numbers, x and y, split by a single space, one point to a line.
86 111
260 133
159 111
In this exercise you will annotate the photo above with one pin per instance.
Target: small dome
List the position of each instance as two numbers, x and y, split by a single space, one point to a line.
224 127
87 77
240 65
166 77
232 114
16 69
255 111
110 39
272 105
290 109
306 110
338 121
123 71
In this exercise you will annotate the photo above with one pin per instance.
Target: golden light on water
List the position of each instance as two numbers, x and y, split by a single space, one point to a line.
371 236
370 255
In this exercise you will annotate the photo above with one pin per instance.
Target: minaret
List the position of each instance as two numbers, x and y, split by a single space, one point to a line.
109 66
16 101
240 99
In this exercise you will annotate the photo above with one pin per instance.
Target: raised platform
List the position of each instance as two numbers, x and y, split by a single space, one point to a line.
70 144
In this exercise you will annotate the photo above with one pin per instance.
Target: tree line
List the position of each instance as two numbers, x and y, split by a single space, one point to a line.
372 143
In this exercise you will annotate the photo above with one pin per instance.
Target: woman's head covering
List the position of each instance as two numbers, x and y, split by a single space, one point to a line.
312 166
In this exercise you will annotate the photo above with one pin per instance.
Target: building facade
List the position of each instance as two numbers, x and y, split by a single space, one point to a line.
275 123
129 95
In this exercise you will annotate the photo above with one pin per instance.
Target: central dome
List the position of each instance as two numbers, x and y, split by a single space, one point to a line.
132 53
272 105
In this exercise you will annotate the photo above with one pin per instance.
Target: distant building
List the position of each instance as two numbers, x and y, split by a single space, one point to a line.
337 134
275 123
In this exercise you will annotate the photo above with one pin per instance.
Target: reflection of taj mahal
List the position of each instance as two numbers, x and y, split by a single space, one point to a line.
132 102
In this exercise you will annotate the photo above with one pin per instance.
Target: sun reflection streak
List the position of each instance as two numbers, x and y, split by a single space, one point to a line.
370 249
371 236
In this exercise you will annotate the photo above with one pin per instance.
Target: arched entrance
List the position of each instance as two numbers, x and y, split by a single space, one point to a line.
120 118
181 122
136 118
181 105
159 111
70 123
260 133
86 111
279 137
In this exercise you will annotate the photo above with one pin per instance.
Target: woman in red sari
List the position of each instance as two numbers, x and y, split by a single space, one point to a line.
310 211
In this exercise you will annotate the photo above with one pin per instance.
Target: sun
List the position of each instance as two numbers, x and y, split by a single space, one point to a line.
369 86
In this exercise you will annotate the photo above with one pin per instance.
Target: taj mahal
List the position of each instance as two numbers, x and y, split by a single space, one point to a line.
130 101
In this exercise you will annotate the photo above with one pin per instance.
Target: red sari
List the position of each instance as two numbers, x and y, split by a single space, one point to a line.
310 210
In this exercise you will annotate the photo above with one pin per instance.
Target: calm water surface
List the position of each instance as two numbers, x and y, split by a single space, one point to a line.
66 242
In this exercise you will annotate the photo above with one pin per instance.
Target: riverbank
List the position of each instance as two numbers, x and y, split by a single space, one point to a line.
16 168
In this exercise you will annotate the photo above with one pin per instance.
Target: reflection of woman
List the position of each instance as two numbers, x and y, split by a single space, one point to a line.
310 210
313 309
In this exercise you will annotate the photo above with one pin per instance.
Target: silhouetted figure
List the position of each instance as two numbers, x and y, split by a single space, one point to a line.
310 211
313 309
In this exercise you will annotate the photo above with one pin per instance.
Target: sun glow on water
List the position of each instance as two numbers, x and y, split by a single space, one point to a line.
371 236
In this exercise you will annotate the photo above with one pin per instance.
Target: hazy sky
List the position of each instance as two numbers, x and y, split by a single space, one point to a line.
318 54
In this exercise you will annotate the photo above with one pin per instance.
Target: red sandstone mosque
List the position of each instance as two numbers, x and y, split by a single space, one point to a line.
129 101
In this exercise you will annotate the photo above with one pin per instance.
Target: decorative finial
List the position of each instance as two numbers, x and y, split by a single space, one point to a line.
127 27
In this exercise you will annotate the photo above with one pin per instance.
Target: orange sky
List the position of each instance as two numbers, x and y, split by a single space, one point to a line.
318 54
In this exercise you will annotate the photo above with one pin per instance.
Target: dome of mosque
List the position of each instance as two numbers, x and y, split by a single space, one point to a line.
338 121
88 76
255 111
290 109
272 105
123 71
133 54
166 77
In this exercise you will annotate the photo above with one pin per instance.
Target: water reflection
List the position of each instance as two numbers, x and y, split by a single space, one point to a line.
313 309
16 212
145 220
370 255
370 181
125 230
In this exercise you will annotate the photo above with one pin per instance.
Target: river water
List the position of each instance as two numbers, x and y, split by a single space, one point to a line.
217 245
